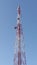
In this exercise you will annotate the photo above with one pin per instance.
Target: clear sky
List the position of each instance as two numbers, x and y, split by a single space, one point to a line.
8 17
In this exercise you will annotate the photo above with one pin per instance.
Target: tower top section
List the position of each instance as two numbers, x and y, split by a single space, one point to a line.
18 10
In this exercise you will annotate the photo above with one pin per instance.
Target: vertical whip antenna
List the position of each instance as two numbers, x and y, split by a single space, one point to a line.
18 9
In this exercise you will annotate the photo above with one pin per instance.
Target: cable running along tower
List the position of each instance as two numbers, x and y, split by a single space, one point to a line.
19 54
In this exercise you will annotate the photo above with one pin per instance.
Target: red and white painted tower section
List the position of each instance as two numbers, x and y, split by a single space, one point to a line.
19 54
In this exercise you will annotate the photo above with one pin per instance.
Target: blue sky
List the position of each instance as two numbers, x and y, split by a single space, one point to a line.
8 19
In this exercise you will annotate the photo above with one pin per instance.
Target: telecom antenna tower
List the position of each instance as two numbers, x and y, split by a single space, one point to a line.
19 54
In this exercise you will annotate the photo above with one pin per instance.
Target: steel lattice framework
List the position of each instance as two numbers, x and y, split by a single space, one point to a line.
19 54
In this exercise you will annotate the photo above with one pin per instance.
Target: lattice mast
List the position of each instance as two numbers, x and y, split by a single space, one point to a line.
19 55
